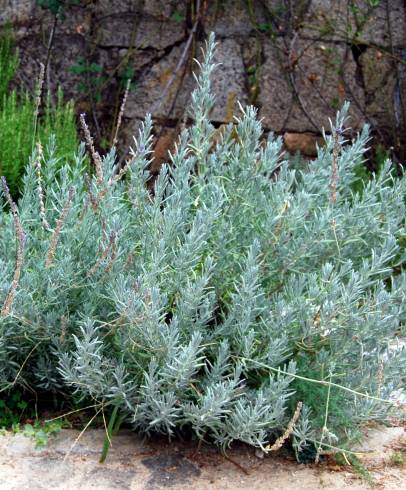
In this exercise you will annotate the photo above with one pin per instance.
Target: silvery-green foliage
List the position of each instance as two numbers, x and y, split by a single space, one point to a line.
202 301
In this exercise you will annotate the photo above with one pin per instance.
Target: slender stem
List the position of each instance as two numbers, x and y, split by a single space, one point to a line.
107 439
324 429
21 368
48 58
81 434
318 381
117 426
95 155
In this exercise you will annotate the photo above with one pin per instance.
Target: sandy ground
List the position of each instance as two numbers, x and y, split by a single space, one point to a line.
135 464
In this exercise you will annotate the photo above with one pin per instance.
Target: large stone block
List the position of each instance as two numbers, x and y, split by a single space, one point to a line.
229 81
123 30
228 85
67 49
16 11
300 91
385 89
233 18
381 23
150 95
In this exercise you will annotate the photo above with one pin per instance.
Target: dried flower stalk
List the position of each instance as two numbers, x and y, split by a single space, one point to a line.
38 92
40 189
89 200
289 429
38 97
95 155
55 236
128 261
20 242
110 246
121 113
113 254
63 329
95 200
92 199
83 212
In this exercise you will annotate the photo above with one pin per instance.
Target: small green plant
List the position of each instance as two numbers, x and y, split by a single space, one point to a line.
92 76
57 7
93 79
18 416
13 409
41 431
19 124
398 457
360 14
178 16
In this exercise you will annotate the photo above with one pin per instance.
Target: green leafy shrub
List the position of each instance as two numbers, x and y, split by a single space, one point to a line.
18 123
8 62
239 299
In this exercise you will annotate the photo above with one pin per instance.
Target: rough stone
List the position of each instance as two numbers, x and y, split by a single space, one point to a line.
121 30
228 86
151 85
275 97
386 26
305 143
165 9
326 20
330 20
229 81
15 11
301 92
104 7
232 18
166 139
384 94
297 62
68 50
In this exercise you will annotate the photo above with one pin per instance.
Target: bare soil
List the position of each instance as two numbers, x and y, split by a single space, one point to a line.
134 464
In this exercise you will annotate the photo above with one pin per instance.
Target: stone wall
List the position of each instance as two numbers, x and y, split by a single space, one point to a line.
297 61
